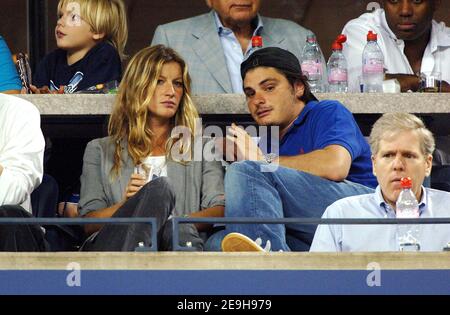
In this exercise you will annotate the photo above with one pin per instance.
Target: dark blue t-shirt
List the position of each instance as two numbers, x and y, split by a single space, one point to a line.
325 123
100 65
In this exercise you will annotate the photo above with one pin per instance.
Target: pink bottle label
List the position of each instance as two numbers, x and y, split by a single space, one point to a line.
373 66
311 68
337 75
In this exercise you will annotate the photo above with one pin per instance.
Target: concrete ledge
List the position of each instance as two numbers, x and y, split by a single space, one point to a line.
358 103
225 261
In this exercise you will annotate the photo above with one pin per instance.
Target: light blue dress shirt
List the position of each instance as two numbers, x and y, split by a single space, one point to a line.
375 238
233 51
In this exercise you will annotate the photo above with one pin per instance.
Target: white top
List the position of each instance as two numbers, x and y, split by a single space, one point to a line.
436 56
21 151
157 166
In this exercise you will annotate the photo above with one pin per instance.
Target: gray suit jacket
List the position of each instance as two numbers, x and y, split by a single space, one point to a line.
197 185
197 40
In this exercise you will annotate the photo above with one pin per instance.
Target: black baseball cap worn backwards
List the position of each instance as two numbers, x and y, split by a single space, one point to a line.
272 57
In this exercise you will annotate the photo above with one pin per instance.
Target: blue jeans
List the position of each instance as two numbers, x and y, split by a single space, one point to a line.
283 193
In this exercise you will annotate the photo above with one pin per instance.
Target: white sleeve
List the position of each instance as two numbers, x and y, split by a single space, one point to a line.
21 153
356 34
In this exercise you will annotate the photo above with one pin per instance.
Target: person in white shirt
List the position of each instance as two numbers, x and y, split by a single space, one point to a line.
411 41
21 170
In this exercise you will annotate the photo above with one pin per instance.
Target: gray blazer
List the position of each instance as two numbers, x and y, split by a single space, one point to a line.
197 40
197 185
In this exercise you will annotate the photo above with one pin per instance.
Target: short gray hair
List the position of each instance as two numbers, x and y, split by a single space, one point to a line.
392 123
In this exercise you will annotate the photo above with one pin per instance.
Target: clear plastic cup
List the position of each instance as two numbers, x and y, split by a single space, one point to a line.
144 169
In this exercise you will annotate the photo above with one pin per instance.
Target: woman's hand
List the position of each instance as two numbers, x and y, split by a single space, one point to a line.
134 185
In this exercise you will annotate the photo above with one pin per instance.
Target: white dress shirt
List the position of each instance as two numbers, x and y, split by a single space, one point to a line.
21 151
436 56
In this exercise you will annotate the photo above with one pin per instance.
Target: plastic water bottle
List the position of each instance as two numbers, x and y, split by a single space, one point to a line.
337 67
407 207
312 65
373 65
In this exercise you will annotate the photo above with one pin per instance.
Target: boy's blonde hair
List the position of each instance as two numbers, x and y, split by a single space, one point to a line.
128 123
104 16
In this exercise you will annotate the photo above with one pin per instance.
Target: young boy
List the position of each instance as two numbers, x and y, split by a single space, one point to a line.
91 37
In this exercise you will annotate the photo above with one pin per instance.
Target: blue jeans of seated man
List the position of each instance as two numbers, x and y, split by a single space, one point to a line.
283 193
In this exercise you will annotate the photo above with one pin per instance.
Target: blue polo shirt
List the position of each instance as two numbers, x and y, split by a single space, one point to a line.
325 123
9 79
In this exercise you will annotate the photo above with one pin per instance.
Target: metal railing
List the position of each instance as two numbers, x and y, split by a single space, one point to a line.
176 221
308 221
85 221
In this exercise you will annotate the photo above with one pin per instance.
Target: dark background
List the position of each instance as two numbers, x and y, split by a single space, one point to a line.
326 18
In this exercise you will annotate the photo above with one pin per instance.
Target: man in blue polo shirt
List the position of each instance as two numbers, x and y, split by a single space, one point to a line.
323 156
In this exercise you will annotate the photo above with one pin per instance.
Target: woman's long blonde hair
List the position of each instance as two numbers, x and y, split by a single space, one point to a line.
104 16
130 115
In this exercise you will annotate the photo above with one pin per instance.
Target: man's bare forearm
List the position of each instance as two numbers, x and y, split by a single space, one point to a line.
407 81
332 163
100 213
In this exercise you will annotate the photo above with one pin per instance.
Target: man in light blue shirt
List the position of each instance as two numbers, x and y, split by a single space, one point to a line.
401 147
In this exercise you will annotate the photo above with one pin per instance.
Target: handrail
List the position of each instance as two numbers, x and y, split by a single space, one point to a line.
309 221
85 221
236 220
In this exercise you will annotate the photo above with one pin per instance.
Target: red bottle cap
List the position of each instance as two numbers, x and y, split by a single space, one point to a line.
257 41
406 182
341 39
371 36
336 46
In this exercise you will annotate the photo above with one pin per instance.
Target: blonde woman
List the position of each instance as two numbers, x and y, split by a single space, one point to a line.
154 98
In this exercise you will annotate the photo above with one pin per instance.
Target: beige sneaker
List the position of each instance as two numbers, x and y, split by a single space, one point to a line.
237 242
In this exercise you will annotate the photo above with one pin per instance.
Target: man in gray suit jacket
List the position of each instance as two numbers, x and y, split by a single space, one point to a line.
215 44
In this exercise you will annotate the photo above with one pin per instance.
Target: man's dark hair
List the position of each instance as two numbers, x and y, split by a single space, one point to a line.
284 62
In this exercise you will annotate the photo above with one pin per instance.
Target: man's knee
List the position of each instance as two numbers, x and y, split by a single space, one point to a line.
160 187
